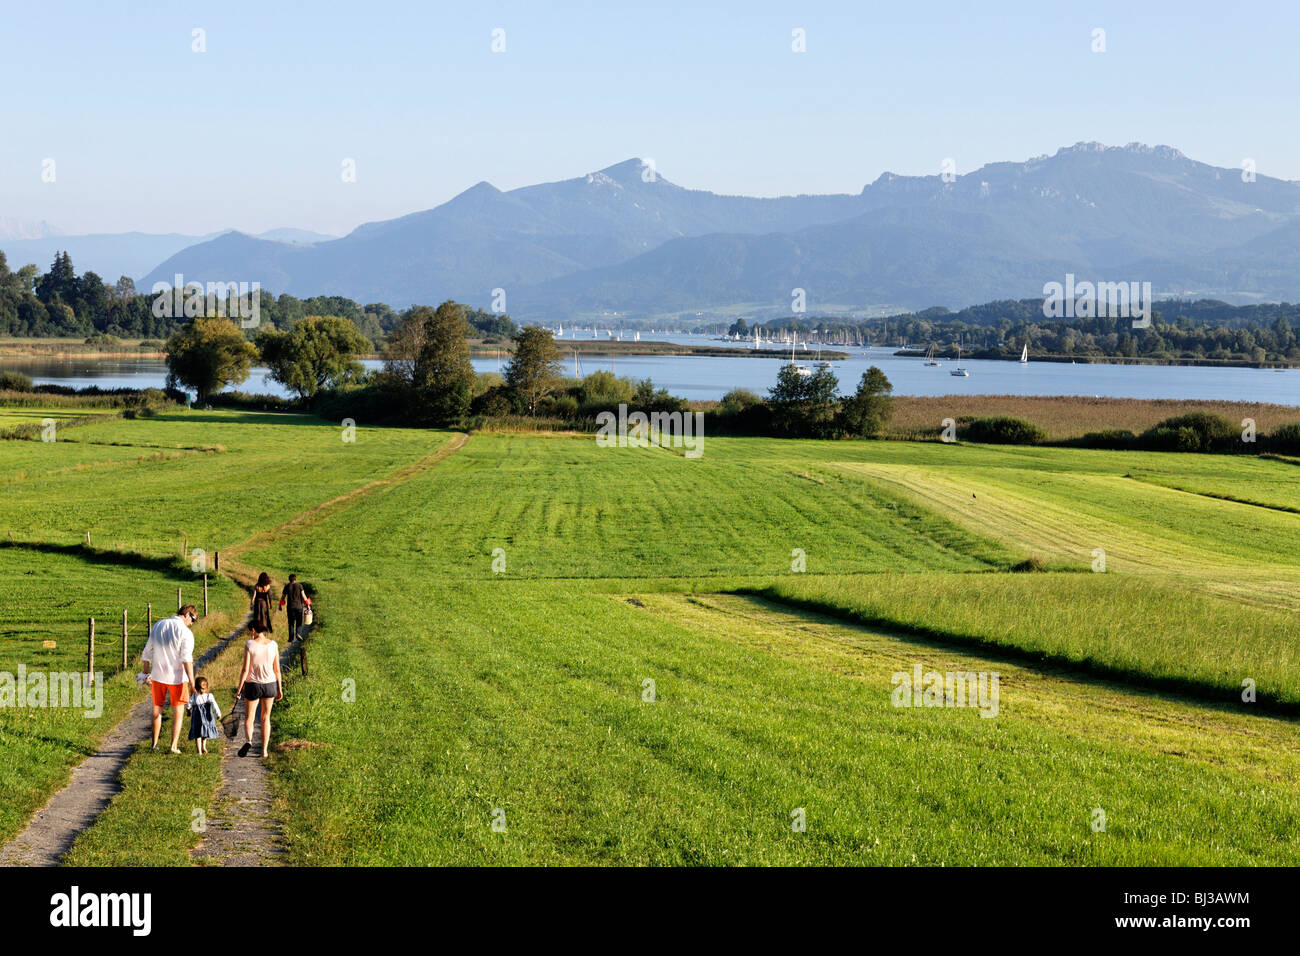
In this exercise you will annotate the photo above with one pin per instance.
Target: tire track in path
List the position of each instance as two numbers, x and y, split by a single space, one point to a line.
243 830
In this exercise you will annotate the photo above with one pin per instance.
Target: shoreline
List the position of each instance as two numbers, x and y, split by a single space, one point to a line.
1137 360
598 347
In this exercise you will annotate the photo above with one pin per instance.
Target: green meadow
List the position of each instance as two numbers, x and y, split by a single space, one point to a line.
535 650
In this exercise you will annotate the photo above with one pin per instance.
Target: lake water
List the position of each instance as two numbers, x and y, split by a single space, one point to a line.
707 377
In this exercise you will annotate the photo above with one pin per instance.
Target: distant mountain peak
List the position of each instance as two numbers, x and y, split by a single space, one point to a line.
1091 146
12 228
1162 152
629 172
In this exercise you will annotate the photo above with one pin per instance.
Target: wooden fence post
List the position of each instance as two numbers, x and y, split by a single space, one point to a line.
90 652
179 605
124 639
149 622
216 561
205 595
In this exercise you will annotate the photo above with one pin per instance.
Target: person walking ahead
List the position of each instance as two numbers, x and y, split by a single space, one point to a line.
260 685
294 594
168 658
261 609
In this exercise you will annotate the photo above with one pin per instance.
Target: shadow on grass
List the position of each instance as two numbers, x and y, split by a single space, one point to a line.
237 416
1093 672
104 556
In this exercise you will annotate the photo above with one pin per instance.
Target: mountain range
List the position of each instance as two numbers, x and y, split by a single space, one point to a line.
112 254
626 240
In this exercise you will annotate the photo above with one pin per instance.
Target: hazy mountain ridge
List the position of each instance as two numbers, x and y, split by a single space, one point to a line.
628 240
123 254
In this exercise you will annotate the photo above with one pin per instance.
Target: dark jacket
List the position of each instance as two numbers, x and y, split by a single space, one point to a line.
294 595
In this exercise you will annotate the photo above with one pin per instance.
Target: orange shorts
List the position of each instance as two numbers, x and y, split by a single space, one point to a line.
179 693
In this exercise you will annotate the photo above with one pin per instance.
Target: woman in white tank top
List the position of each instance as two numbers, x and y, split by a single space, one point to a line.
260 686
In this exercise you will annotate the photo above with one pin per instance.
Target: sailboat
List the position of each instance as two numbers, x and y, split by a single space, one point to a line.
559 333
798 369
929 358
959 370
820 363
1024 354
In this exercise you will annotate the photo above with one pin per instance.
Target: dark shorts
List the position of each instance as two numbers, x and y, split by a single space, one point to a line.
258 691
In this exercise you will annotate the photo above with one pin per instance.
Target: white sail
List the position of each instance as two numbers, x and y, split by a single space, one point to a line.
1024 354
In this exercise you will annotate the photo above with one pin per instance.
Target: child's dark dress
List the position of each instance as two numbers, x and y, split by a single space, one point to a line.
203 719
261 622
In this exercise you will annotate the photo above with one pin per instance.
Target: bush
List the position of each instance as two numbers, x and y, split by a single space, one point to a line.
1112 438
252 402
372 403
102 338
563 406
1198 431
737 400
485 381
15 382
1285 440
151 345
1004 430
604 389
495 403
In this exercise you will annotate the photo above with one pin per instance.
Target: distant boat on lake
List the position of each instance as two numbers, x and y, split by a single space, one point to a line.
929 358
1024 354
959 371
798 369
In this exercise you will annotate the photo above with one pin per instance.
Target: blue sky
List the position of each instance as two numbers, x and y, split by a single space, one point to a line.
251 134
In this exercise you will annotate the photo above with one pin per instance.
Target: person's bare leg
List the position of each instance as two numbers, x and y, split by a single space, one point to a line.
177 719
266 724
157 723
250 708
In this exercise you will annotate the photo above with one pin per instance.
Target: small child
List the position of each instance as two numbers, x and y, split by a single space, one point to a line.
204 714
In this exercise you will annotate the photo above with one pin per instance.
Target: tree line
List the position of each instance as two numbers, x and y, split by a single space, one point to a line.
60 303
1180 331
428 380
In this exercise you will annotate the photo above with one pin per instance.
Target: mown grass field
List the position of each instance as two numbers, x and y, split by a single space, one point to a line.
28 416
1071 416
491 613
205 479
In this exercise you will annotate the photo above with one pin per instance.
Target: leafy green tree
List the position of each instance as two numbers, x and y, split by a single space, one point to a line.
866 412
207 354
318 352
534 369
123 290
427 363
26 277
60 283
804 405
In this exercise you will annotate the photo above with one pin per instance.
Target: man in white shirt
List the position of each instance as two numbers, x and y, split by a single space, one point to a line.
169 661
